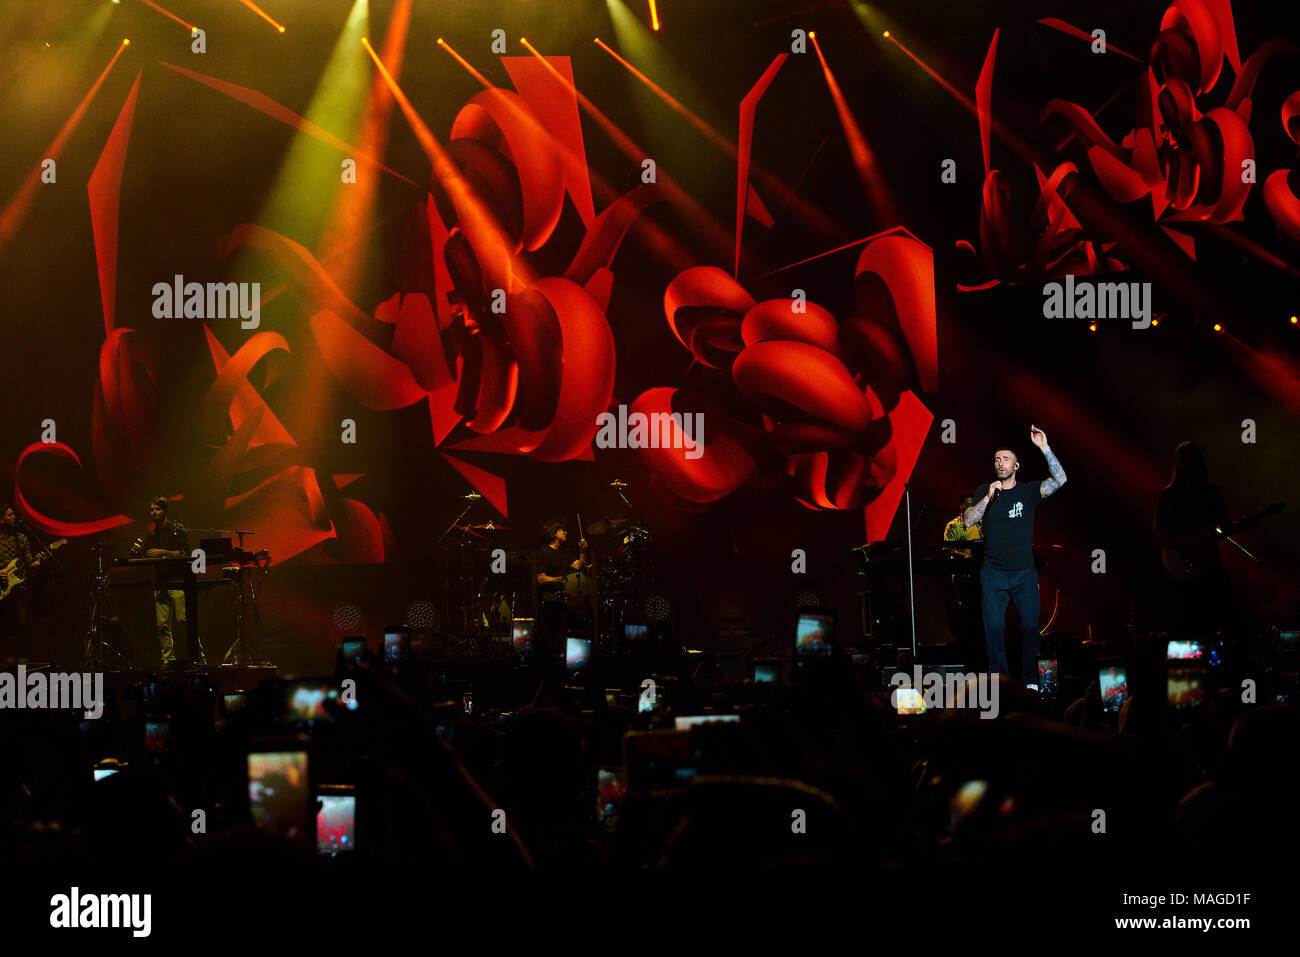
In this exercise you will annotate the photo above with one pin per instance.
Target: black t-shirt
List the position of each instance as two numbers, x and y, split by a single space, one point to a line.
172 537
554 562
1188 508
1009 526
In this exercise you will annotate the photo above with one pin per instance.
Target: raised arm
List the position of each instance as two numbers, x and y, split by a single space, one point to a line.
975 513
1049 485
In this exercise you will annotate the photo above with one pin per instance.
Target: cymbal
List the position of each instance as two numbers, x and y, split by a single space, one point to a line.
489 526
610 523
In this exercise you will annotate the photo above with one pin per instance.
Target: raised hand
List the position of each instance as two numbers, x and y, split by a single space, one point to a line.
1037 436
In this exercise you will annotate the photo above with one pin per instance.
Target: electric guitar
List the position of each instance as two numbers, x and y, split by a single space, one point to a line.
1189 563
10 578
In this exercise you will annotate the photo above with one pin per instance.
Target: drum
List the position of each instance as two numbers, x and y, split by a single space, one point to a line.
579 589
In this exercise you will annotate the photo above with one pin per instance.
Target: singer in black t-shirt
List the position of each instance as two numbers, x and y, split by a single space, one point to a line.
1007 508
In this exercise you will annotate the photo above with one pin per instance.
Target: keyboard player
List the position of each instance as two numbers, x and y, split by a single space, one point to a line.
165 538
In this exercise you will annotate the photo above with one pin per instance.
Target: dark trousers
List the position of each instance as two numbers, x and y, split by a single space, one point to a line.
15 618
997 587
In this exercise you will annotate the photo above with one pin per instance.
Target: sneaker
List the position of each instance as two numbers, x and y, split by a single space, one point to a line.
1033 688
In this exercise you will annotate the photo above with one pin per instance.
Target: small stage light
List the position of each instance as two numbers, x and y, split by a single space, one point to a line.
886 34
1218 327
281 29
1295 320
126 43
1155 322
812 34
1092 327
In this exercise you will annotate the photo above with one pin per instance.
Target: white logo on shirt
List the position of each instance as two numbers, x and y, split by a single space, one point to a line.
1016 510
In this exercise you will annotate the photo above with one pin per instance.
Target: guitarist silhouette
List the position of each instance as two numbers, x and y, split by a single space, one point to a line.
1190 520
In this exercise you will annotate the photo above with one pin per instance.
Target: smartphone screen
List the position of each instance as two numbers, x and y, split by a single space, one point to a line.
303 703
352 649
610 791
278 793
101 773
397 645
157 734
658 759
1112 681
234 703
336 821
1185 688
767 669
577 653
1047 675
813 634
521 636
1184 651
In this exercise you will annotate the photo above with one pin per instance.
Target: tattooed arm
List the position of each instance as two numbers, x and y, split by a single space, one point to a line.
975 513
1049 485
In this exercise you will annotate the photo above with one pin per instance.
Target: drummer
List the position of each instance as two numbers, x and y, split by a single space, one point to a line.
551 563
956 530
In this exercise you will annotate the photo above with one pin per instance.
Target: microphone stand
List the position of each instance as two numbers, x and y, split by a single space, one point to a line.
911 591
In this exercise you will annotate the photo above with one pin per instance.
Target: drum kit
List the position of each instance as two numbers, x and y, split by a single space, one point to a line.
487 585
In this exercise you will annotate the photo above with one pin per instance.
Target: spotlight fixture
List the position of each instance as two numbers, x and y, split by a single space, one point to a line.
886 34
1092 327
1295 320
1218 327
1155 322
126 42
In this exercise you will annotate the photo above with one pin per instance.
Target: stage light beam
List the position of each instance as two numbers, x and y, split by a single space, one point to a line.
263 14
15 211
863 159
168 14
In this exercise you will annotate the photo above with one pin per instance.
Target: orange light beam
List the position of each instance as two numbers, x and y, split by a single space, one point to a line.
807 212
661 246
16 209
490 244
19 68
721 142
1008 136
865 161
168 14
604 191
715 235
654 16
261 13
469 67
352 242
829 252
